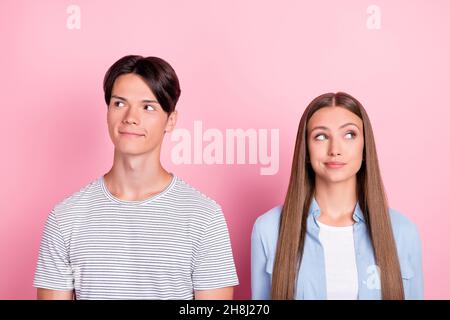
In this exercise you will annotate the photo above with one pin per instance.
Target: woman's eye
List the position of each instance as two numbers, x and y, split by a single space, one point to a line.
149 107
350 135
320 137
119 104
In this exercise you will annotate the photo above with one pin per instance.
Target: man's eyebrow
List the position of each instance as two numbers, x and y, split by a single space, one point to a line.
117 97
344 125
145 100
150 101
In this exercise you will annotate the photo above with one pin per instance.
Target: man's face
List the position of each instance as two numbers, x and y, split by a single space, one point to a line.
136 121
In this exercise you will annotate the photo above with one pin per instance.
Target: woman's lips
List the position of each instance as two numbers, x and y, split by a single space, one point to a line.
334 164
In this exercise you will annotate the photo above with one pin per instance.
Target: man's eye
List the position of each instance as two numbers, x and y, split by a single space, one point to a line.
149 107
119 104
320 137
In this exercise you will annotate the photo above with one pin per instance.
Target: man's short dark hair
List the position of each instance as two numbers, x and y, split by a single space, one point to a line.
156 73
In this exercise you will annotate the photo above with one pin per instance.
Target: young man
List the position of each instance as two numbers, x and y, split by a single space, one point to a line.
138 232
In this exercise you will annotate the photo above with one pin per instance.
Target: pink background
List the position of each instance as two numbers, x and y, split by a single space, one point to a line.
241 64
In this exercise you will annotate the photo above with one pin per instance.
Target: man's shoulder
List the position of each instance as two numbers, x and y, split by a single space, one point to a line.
83 196
187 195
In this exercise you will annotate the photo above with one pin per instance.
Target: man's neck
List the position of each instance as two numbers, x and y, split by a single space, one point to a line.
136 177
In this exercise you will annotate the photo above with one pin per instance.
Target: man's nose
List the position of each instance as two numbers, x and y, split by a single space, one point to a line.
131 117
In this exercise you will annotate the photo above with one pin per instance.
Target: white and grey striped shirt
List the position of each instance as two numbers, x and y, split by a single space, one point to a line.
163 247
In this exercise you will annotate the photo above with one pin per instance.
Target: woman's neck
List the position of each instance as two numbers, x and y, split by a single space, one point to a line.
337 201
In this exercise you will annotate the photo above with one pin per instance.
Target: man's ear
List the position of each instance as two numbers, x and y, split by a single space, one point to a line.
171 121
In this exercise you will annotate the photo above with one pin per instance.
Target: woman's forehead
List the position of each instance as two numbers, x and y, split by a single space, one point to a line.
334 118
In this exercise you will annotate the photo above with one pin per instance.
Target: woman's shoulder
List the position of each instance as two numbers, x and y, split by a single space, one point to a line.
400 220
402 226
269 217
269 221
265 230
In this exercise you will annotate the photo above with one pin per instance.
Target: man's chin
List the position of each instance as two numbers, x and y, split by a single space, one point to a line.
130 152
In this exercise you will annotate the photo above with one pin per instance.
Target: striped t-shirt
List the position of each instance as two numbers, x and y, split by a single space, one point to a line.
163 247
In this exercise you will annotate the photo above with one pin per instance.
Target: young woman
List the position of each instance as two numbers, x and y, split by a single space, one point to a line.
138 231
335 236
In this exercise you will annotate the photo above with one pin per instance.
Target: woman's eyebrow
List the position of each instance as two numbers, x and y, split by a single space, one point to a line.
349 124
326 128
320 127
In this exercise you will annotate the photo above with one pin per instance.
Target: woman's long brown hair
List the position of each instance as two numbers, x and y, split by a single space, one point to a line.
371 196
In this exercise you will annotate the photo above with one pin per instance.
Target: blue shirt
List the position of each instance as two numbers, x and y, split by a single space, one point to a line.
311 280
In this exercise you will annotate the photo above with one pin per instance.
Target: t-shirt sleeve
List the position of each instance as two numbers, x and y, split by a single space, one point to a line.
53 269
214 264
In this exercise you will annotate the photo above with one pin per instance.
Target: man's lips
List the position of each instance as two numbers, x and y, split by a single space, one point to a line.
128 133
335 164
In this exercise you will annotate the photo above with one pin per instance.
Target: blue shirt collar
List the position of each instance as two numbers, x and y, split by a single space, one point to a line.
314 210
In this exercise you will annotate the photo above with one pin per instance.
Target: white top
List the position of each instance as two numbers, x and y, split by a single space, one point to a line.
163 247
340 262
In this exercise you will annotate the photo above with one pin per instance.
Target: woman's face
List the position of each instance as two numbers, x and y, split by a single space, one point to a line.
136 121
335 140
